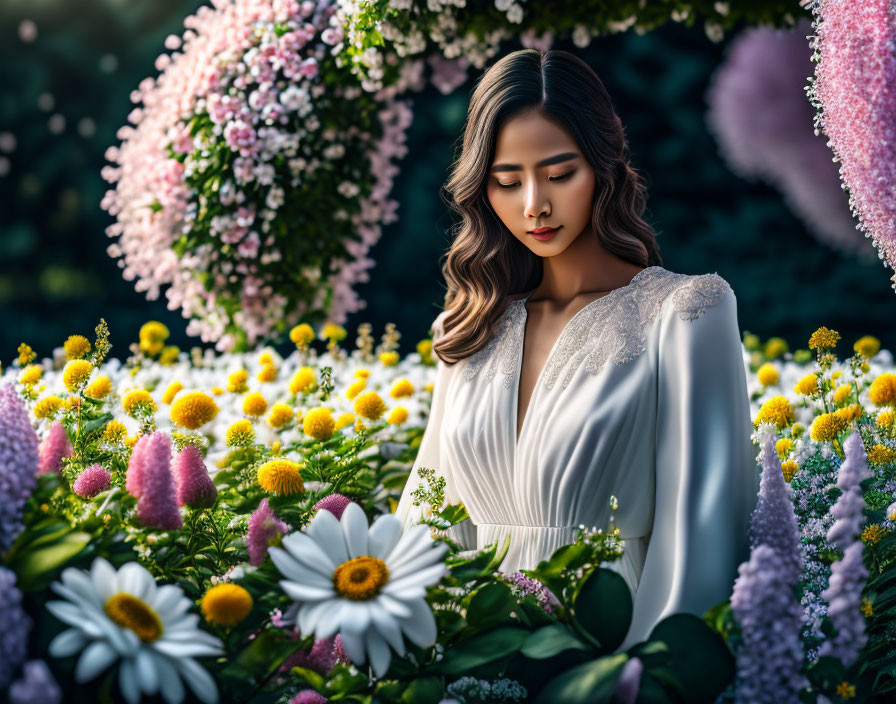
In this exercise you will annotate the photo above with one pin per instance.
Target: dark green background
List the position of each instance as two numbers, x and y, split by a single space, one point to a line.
56 278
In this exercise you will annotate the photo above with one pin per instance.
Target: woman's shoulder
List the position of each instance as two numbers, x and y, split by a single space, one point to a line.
689 296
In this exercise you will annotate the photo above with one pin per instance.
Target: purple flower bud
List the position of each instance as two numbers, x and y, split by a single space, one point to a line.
308 696
37 685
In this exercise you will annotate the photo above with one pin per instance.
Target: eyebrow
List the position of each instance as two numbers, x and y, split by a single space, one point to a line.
556 159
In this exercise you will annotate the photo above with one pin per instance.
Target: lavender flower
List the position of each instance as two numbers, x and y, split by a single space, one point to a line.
18 463
36 686
157 506
53 448
92 481
264 527
522 586
845 596
848 509
14 627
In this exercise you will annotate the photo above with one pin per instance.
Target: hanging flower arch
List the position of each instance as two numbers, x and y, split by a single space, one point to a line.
254 174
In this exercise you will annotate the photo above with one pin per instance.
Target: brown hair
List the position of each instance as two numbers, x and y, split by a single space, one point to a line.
485 263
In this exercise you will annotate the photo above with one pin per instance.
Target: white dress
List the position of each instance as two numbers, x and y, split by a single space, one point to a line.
643 396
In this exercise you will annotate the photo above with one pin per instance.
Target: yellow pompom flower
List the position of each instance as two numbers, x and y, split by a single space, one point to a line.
138 401
797 430
254 404
280 416
807 386
370 405
389 359
218 391
114 431
99 387
776 410
789 468
226 604
281 477
424 348
275 447
401 389
826 427
344 420
355 388
302 335
319 423
867 610
73 403
333 332
775 347
881 455
883 390
169 354
841 395
867 346
236 382
823 338
75 373
362 373
265 359
429 387
397 415
153 331
846 690
873 534
131 441
31 375
268 373
26 354
885 419
302 380
193 410
76 346
848 413
767 374
173 389
783 447
47 407
240 434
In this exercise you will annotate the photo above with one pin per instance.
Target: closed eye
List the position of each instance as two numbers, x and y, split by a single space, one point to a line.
550 178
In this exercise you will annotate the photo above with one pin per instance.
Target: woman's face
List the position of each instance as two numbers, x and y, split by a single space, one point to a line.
539 178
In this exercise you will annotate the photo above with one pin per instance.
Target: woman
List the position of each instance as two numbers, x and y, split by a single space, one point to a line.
571 365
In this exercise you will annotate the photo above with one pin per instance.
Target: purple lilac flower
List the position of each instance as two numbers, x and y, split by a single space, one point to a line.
770 656
264 526
848 508
525 586
157 506
18 463
53 448
14 627
92 481
37 685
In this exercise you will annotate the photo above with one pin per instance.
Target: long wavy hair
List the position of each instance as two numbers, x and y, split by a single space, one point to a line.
485 263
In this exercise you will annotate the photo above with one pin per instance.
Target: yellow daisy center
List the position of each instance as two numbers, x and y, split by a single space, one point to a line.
361 578
130 612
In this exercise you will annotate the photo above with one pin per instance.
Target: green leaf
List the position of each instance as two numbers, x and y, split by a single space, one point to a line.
551 640
480 565
426 690
34 565
603 607
491 602
589 683
481 649
454 513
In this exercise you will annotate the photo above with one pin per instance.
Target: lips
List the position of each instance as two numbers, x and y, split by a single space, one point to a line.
543 230
543 235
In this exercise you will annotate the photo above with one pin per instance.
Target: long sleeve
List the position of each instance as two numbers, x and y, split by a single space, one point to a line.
429 455
706 478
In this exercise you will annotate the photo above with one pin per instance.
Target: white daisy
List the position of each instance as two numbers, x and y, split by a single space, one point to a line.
124 615
366 583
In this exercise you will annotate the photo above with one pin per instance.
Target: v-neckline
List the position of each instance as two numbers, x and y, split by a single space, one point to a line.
521 302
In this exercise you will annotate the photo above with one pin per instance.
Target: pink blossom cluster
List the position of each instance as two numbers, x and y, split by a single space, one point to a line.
92 481
854 90
53 448
150 479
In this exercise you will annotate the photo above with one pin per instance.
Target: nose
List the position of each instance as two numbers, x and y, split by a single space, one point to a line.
537 204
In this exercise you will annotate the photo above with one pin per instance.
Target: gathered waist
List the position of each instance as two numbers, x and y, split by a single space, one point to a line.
490 527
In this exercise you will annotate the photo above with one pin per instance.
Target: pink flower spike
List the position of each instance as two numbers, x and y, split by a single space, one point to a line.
92 481
334 503
195 487
157 507
54 447
308 696
264 526
133 482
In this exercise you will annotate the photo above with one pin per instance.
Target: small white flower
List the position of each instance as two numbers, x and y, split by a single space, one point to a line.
123 615
367 583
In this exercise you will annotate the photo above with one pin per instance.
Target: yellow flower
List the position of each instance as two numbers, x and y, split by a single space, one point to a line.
344 420
281 477
301 335
776 410
362 373
131 441
280 416
873 534
826 427
47 407
76 346
775 347
226 604
355 388
767 374
75 373
114 431
789 468
883 390
881 455
807 386
797 430
236 382
823 338
73 403
265 359
254 404
424 348
370 405
402 388
867 346
848 413
867 609
31 375
841 395
240 434
302 380
99 387
885 419
275 447
268 373
169 354
193 410
173 388
138 401
783 446
397 416
319 423
153 331
26 354
846 690
218 391
389 359
334 332
151 348
429 387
